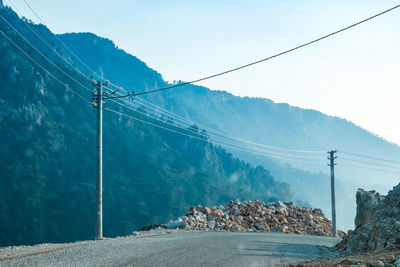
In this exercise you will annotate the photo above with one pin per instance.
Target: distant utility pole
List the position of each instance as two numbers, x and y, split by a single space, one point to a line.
332 164
98 103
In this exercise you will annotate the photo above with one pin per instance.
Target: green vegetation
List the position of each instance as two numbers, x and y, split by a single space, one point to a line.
47 155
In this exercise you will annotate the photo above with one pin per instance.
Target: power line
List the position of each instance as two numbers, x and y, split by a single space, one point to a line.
62 43
185 124
48 45
189 122
369 163
213 136
69 49
49 73
369 157
223 139
271 57
199 138
206 140
54 50
158 119
367 168
45 57
241 139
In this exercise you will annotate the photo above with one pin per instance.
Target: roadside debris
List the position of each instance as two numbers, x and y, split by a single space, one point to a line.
254 216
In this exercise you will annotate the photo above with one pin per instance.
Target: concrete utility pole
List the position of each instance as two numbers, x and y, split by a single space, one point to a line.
98 98
332 164
98 103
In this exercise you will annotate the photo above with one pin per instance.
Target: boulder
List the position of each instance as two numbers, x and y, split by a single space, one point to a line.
367 204
207 210
377 222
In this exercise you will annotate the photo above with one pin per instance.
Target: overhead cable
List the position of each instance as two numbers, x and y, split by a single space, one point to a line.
241 139
370 163
44 56
205 140
210 130
367 168
62 43
369 157
208 133
271 57
39 65
223 140
48 45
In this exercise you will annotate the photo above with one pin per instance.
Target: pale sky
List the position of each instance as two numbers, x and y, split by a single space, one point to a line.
354 75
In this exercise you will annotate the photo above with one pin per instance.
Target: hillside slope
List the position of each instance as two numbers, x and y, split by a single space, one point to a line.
259 120
274 123
47 154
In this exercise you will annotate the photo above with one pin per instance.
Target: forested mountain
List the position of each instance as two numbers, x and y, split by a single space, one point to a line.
47 170
48 156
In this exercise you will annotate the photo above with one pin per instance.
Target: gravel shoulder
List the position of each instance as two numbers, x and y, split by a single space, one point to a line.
389 257
176 248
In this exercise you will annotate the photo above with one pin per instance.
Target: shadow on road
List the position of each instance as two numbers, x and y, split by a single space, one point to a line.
284 250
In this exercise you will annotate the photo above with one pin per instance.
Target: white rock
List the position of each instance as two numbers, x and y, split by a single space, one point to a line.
176 224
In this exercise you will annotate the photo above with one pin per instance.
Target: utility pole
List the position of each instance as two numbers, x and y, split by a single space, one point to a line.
98 103
98 98
332 164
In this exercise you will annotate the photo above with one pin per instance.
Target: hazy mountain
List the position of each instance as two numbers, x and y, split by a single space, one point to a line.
48 157
259 120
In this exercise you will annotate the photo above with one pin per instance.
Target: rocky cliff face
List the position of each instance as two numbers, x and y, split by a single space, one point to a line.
377 222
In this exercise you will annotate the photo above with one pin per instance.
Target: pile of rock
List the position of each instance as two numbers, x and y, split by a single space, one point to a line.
377 222
255 216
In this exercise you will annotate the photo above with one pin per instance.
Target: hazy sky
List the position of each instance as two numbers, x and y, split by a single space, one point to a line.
354 75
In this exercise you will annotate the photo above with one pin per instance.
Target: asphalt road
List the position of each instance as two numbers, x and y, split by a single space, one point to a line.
176 249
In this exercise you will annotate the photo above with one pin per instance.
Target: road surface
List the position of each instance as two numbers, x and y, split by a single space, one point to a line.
178 248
